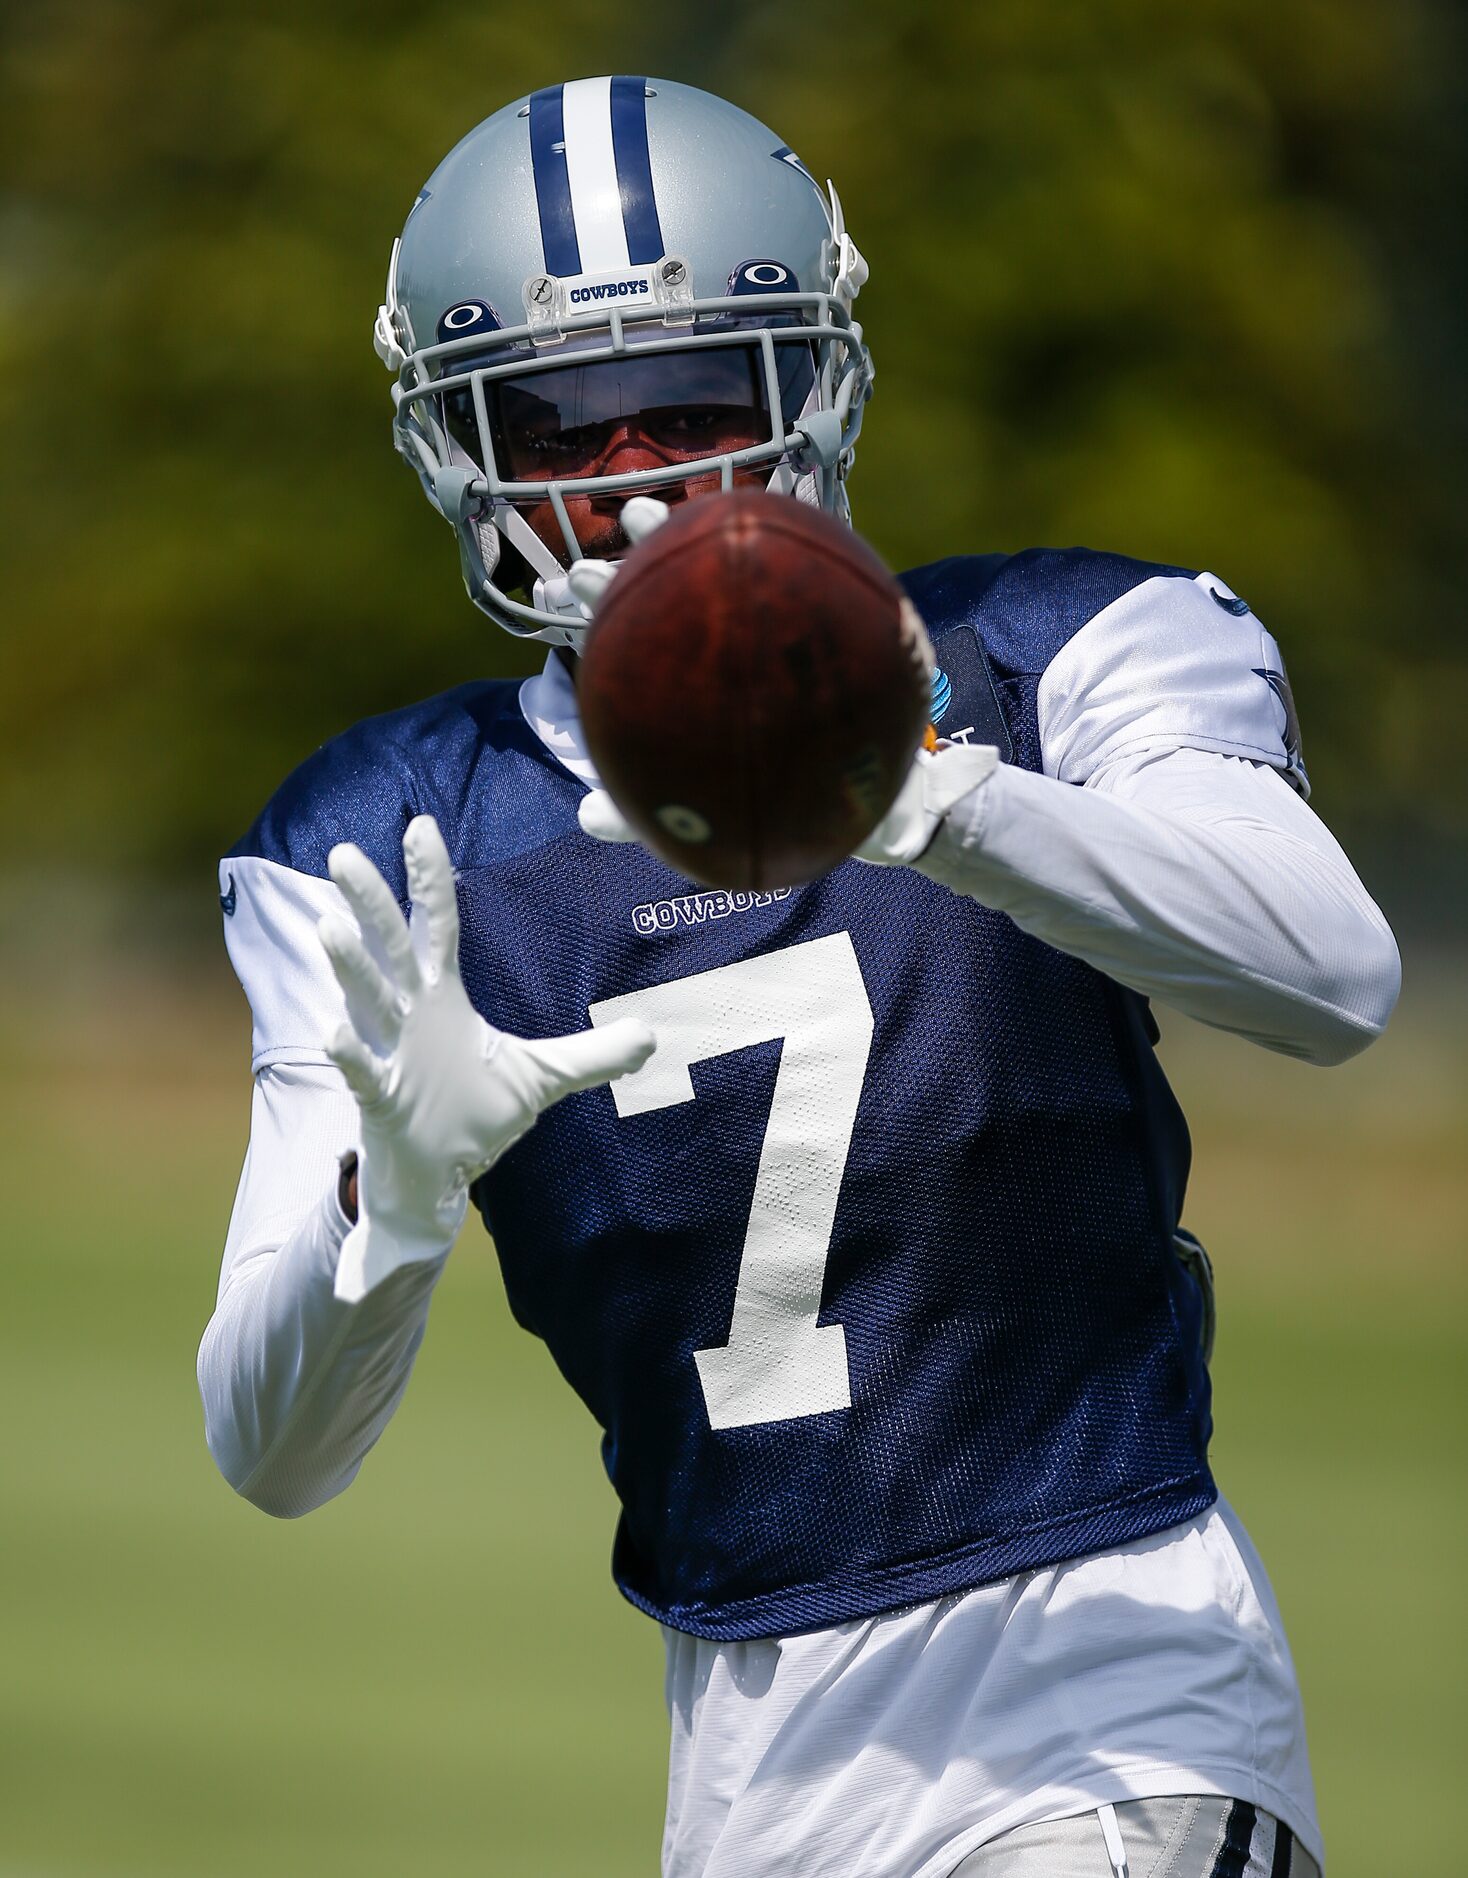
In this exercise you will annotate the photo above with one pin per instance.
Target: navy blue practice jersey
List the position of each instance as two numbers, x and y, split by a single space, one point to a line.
868 1276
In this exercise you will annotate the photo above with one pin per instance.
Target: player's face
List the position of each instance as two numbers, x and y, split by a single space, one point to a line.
615 416
596 519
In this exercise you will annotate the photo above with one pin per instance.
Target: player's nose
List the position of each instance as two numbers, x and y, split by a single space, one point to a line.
627 448
626 451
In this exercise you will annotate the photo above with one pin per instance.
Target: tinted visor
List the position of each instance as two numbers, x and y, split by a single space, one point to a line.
561 421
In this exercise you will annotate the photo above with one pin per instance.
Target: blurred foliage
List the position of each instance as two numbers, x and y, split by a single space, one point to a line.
1183 281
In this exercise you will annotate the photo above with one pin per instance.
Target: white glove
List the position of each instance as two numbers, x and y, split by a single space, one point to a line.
442 1094
937 780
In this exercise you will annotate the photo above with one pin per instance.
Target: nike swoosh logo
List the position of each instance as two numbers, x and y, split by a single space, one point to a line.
227 899
1279 684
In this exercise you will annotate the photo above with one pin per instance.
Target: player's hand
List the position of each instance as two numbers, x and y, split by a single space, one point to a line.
937 780
442 1094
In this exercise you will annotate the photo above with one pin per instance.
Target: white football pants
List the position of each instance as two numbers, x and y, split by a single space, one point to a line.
1173 1838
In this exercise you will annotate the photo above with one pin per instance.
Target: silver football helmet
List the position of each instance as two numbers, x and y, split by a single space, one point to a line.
616 271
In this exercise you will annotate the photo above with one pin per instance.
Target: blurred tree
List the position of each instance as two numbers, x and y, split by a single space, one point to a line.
1184 282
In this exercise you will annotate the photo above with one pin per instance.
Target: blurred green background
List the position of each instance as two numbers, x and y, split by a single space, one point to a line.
1183 281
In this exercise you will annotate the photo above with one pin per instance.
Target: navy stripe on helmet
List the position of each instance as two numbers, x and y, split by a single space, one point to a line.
552 183
634 171
786 155
1238 1836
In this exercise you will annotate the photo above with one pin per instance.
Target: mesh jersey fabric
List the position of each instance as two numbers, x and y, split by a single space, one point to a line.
1025 1378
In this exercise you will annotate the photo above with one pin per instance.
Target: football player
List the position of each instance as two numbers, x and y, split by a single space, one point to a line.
868 1261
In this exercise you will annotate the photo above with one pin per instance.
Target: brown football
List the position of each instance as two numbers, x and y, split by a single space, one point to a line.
753 690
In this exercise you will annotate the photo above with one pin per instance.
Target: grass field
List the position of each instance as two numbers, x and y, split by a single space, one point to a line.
434 1675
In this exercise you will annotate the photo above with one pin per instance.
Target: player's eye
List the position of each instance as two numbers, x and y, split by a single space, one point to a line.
689 423
704 428
564 446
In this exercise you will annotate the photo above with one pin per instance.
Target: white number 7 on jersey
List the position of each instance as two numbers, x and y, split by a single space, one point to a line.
779 1362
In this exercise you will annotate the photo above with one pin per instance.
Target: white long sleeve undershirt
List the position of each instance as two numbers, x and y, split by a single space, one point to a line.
1197 879
298 1386
1203 881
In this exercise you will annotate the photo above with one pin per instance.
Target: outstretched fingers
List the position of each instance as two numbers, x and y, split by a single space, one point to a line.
372 1004
587 1058
366 1074
377 911
431 886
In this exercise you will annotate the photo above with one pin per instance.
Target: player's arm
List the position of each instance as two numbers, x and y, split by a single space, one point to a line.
297 1385
1185 864
1198 879
320 1316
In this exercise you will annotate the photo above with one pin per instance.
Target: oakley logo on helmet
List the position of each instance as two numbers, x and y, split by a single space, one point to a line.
467 318
762 277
